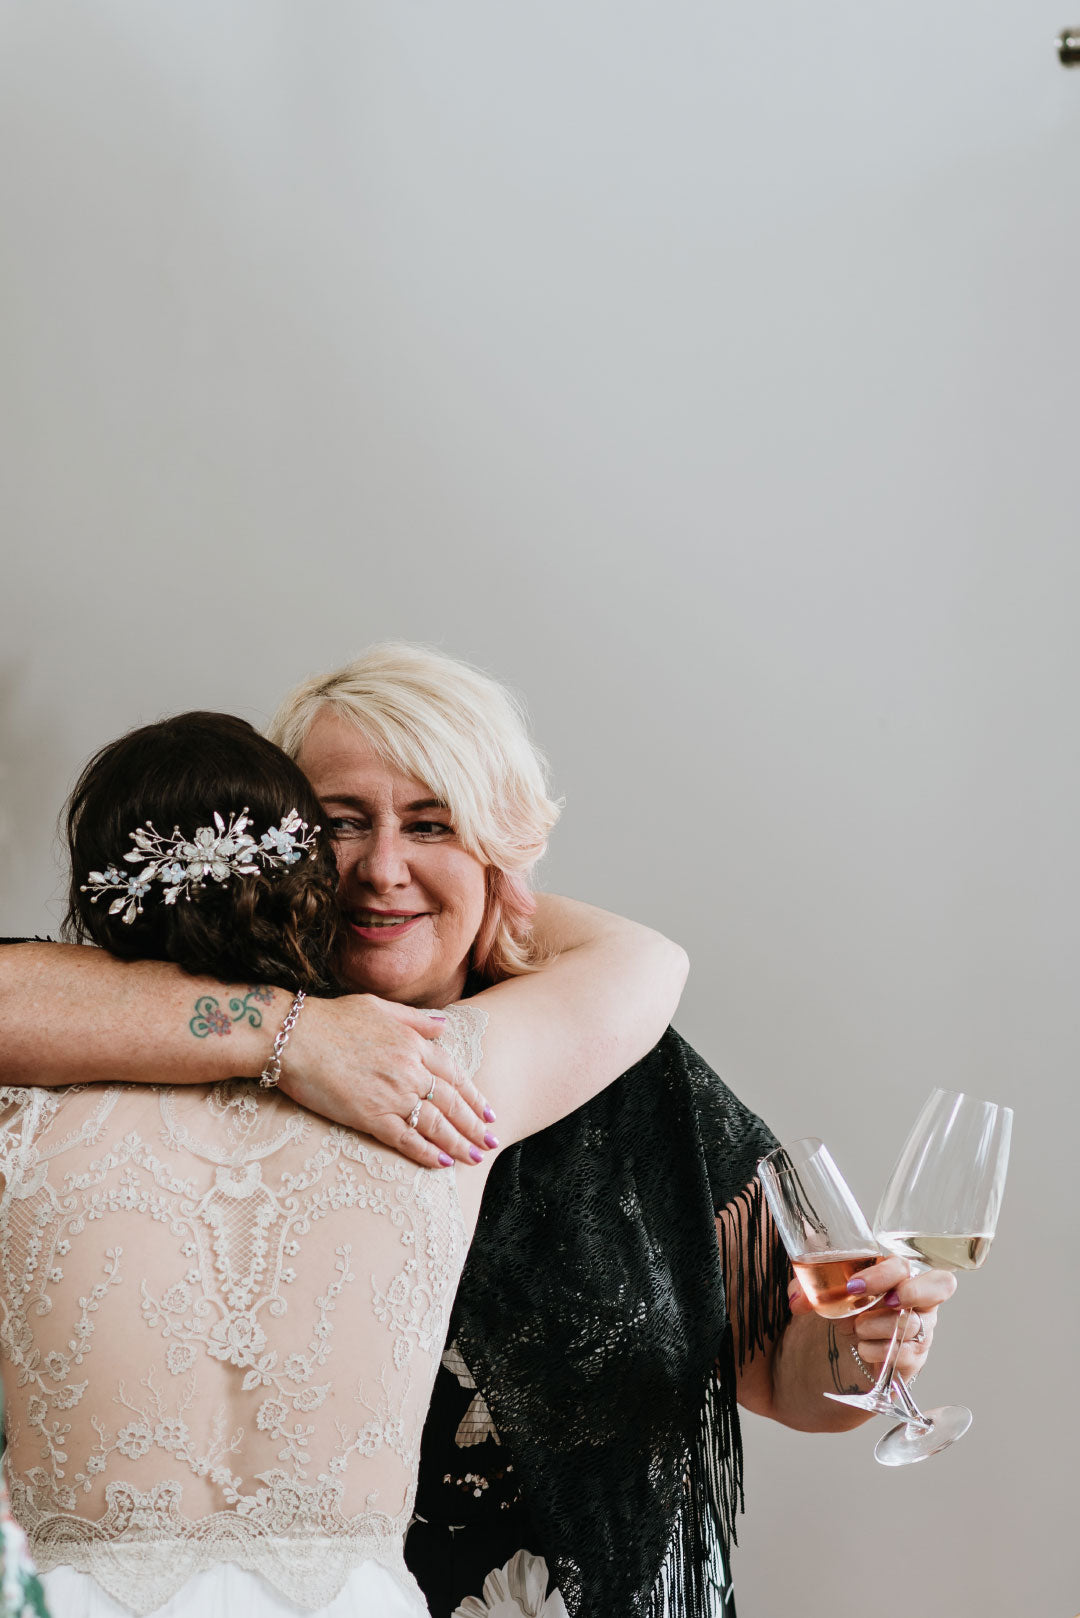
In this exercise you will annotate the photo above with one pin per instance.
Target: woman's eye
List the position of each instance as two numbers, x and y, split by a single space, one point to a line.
431 829
342 826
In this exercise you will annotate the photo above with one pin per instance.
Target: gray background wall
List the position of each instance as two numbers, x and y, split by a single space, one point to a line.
709 373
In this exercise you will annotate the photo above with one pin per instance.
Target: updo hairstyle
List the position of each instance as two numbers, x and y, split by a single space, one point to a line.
278 926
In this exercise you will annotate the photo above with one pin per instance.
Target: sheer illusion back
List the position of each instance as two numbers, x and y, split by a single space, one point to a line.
220 1322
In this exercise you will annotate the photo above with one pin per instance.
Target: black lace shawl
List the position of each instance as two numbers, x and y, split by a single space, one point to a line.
603 1322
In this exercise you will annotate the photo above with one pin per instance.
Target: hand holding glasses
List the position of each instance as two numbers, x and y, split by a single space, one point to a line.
939 1210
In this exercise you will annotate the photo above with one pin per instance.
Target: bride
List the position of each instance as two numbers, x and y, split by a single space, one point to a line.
221 1315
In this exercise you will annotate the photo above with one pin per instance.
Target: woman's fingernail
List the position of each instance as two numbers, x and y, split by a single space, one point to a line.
476 1155
489 1116
447 1162
437 1016
856 1284
891 1300
491 1141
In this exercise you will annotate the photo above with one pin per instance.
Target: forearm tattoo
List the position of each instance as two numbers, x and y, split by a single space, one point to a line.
209 1017
835 1364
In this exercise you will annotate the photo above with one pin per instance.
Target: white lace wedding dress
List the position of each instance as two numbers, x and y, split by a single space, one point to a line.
220 1322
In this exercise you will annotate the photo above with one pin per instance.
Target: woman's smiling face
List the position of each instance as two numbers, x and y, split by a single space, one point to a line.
412 897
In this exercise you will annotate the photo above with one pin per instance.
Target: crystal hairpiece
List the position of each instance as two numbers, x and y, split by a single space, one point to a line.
182 864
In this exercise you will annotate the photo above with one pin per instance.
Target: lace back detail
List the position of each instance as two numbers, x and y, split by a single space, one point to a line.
220 1323
463 1037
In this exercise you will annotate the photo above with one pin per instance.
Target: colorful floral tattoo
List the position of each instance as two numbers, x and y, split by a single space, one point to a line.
209 1017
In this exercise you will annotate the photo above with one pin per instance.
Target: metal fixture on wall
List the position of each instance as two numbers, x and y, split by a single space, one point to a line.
1068 45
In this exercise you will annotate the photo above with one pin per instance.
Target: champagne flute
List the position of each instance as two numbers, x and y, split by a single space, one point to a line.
938 1210
822 1227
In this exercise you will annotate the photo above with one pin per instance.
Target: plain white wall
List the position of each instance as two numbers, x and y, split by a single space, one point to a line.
709 373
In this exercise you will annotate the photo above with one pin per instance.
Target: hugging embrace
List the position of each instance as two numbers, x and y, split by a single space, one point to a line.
369 1243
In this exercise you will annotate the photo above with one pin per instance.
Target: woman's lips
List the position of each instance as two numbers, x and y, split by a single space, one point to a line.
387 928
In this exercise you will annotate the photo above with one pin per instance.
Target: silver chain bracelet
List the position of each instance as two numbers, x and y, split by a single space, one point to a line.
870 1376
271 1073
861 1363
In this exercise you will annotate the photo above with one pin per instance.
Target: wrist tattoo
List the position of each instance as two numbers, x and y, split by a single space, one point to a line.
834 1364
209 1017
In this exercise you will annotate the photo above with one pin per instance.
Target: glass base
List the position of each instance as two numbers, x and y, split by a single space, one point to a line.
874 1403
907 1443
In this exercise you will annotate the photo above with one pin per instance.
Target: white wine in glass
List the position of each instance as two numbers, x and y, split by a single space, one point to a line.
939 1210
939 1252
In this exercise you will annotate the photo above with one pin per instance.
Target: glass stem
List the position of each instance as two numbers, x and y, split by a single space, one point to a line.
903 1393
889 1379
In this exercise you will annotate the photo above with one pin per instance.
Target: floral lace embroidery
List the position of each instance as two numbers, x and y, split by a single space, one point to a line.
220 1322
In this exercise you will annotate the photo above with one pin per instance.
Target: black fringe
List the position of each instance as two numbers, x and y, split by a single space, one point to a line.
756 1271
699 1552
594 1315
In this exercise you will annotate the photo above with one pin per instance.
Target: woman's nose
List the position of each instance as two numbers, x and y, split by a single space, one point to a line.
383 864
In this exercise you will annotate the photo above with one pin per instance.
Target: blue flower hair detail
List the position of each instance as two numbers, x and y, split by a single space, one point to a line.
182 864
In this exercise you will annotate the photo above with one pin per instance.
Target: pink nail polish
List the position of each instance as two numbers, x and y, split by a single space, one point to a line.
891 1300
856 1285
476 1155
437 1016
491 1141
489 1116
447 1162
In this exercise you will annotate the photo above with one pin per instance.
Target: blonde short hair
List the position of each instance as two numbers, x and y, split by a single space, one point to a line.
465 737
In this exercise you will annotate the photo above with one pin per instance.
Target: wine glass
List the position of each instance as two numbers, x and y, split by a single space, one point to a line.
822 1227
939 1210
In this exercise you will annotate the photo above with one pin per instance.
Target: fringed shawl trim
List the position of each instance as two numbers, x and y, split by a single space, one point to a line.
594 1315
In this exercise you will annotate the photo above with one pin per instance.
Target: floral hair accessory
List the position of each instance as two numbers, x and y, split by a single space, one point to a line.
182 864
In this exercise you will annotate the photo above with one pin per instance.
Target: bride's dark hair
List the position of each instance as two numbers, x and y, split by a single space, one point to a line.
279 926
